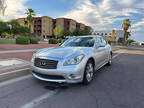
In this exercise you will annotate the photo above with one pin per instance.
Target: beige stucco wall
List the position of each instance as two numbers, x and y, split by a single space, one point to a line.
72 26
21 21
60 22
82 26
47 26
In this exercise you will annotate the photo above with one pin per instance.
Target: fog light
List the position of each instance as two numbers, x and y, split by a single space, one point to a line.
72 76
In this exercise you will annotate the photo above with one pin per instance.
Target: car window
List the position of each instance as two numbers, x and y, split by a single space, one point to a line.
79 42
103 41
98 42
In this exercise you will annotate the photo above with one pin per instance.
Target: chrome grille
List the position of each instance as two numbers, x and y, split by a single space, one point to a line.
45 63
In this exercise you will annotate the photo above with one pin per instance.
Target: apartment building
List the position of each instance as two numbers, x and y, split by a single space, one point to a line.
43 26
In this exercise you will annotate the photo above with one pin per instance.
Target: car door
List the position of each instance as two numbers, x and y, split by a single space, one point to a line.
106 54
99 52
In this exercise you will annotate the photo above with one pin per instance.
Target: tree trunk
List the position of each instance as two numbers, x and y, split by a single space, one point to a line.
30 30
125 35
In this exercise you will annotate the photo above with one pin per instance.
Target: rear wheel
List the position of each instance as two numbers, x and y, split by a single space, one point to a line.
89 72
110 60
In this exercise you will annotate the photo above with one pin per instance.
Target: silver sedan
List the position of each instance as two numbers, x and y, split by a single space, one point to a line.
74 61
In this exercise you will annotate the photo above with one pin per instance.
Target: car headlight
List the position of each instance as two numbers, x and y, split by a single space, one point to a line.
74 61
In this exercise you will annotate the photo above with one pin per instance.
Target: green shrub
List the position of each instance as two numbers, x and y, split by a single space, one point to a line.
129 41
22 40
52 41
33 40
60 40
7 41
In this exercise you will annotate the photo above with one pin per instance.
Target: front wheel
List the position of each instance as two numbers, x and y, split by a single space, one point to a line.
89 72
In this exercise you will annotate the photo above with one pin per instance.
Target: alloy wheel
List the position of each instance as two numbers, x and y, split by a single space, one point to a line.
89 71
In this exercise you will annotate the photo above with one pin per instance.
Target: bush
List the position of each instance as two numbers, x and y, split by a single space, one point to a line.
60 40
129 41
52 41
22 40
7 41
33 40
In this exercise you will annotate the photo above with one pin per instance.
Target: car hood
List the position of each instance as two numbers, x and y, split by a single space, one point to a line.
62 52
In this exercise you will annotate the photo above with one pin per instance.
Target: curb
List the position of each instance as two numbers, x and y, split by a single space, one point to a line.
14 74
115 49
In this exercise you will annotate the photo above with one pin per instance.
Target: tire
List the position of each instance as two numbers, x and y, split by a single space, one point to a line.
110 60
88 73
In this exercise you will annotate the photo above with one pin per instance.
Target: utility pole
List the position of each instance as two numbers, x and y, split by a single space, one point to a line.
3 7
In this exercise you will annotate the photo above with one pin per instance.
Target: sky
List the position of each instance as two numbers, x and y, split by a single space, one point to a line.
100 14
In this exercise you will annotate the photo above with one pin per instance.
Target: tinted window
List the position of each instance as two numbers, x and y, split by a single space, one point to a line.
103 41
79 42
100 42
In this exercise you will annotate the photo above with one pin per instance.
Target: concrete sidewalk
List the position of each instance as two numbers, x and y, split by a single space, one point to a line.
18 51
22 47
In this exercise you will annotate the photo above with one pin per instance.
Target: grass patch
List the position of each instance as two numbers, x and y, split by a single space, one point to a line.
7 41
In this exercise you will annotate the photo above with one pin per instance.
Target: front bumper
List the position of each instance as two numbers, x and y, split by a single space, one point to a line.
64 74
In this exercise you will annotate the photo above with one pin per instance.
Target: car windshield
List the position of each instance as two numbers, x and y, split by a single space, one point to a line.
79 42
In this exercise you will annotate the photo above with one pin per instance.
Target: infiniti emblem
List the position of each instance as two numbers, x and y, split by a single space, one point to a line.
42 63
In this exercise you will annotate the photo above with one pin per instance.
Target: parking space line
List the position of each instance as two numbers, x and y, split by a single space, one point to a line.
15 80
14 71
116 56
39 100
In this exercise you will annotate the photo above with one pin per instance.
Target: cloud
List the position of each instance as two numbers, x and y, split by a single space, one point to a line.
138 24
104 14
140 4
15 9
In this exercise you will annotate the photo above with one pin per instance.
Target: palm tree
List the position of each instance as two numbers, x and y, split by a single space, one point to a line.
126 25
30 17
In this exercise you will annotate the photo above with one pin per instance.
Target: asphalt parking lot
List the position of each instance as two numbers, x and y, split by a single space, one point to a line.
118 86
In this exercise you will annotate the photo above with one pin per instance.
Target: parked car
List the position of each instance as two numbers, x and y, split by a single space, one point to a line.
74 61
45 39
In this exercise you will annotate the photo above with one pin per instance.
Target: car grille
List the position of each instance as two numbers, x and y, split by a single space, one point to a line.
54 77
45 63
